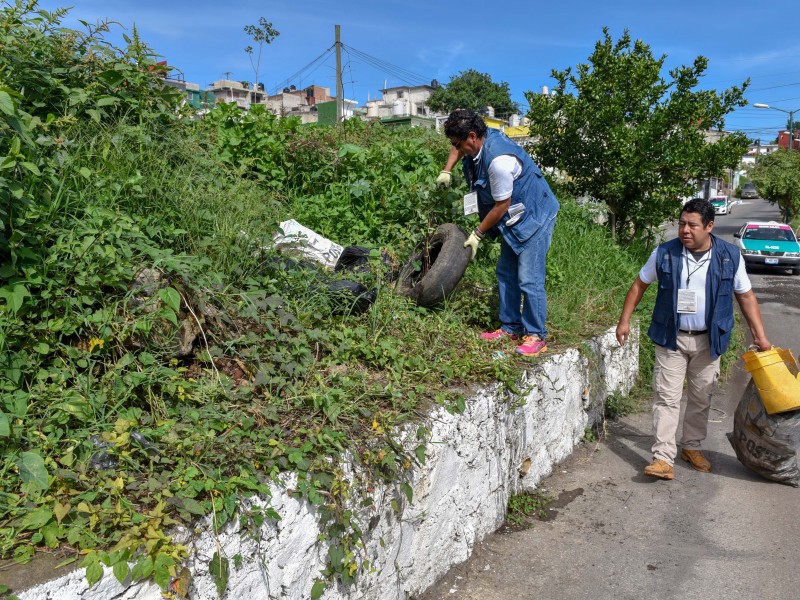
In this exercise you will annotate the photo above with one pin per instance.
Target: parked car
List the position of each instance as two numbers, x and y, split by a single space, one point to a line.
722 205
748 191
769 244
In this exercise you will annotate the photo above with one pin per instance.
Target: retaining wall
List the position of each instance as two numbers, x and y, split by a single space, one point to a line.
499 446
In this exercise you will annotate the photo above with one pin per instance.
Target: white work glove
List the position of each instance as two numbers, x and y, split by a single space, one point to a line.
472 243
444 179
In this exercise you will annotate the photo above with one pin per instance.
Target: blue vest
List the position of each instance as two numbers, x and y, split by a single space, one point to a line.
719 294
530 189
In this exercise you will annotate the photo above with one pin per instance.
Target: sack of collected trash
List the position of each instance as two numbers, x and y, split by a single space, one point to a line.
764 443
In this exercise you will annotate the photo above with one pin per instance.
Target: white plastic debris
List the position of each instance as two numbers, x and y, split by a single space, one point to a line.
307 243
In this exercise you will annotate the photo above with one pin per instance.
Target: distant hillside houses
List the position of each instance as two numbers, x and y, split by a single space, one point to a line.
401 105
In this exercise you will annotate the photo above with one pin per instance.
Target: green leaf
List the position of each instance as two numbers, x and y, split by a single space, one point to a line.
86 173
171 298
142 570
419 451
317 589
112 78
94 573
121 570
30 167
218 567
351 149
169 315
6 103
406 489
332 411
36 519
32 469
77 407
161 569
14 296
193 506
5 428
51 532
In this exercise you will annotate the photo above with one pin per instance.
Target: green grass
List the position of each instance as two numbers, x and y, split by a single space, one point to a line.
522 508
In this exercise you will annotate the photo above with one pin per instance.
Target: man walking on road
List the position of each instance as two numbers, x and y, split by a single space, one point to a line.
698 275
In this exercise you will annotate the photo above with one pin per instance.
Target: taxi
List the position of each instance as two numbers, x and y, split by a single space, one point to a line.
769 244
722 205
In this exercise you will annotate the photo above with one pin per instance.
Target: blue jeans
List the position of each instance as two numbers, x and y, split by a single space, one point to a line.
520 279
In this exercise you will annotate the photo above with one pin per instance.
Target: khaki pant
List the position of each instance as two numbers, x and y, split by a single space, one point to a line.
691 361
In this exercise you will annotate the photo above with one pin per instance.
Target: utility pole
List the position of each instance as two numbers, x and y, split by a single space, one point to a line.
339 87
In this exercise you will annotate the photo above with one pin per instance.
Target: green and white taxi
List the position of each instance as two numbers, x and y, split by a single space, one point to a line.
769 244
722 205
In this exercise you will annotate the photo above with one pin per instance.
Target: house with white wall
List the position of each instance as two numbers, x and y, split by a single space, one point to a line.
237 92
402 101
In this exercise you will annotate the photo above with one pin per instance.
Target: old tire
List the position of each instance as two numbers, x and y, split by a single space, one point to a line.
436 268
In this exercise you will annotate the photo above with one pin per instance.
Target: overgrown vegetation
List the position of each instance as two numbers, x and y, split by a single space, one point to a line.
128 228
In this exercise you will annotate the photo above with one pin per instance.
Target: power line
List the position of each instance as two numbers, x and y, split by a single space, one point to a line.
295 76
405 75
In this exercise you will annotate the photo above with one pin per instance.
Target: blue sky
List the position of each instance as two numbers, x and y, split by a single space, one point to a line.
516 42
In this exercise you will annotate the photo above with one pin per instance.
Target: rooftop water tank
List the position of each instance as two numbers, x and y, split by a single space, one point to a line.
399 108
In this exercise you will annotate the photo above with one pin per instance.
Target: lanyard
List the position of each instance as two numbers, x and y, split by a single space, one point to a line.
696 269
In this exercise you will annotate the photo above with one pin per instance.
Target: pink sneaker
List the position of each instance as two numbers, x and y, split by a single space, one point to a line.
532 346
492 336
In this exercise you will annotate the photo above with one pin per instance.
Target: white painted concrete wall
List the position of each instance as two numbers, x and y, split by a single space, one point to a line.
476 460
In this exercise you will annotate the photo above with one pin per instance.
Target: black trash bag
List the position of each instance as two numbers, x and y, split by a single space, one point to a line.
350 296
103 458
764 443
355 259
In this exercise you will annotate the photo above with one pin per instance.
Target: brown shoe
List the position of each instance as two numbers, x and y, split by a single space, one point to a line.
659 468
697 460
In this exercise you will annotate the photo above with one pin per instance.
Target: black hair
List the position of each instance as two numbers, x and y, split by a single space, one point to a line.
461 121
702 207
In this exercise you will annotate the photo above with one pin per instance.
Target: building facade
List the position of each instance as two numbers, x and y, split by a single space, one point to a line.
403 101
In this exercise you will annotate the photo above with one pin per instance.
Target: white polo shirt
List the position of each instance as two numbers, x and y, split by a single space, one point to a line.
695 270
504 170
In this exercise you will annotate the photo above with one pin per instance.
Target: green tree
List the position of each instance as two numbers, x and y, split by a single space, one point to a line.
473 90
626 136
777 178
263 33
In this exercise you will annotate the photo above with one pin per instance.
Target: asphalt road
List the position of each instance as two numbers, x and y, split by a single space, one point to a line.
614 533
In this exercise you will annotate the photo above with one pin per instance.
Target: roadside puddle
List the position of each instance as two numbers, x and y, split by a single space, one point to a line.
563 499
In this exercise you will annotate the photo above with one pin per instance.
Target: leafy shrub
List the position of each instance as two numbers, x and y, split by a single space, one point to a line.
109 436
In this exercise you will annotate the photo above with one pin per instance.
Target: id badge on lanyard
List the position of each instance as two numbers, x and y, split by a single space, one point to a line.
470 203
687 302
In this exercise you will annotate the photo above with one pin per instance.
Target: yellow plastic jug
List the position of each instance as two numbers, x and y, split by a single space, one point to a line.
774 372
